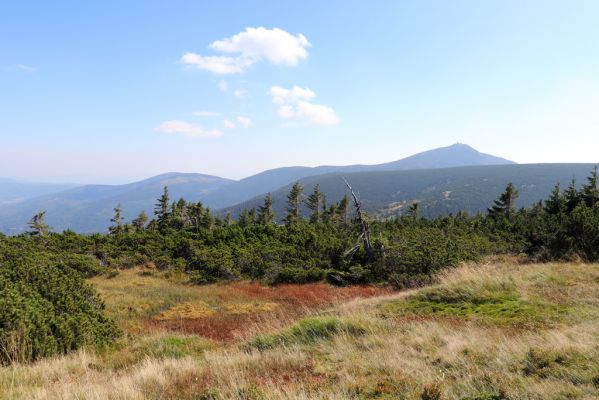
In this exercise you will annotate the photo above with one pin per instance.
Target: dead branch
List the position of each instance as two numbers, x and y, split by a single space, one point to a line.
365 232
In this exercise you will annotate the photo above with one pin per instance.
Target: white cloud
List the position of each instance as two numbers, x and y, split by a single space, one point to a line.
183 128
281 95
206 114
216 64
295 106
249 47
240 93
244 121
274 45
316 114
24 67
228 124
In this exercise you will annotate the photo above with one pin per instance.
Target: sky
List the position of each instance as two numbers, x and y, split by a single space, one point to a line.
116 91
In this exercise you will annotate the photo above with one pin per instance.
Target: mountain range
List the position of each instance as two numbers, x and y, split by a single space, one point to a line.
13 191
444 180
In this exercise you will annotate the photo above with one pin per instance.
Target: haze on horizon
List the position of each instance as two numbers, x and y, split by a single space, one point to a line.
114 92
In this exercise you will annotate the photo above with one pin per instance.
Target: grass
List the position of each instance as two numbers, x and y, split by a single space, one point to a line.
307 331
487 302
144 300
465 338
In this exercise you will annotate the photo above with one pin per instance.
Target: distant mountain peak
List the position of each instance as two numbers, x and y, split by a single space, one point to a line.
455 155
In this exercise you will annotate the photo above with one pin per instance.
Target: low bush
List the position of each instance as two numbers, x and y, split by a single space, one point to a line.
47 309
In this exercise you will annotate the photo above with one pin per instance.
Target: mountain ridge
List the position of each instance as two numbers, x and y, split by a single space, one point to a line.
439 191
88 208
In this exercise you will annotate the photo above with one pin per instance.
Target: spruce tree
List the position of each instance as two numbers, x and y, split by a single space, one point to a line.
266 215
117 221
208 219
342 210
195 213
556 203
294 204
315 203
161 210
244 219
505 205
139 223
252 216
572 196
590 191
38 225
179 214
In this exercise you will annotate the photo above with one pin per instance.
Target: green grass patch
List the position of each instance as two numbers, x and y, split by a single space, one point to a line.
498 303
307 331
132 351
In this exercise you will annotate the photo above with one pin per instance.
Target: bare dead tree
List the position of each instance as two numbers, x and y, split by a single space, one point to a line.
365 232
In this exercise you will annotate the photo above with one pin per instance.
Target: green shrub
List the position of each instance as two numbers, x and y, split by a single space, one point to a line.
47 309
296 275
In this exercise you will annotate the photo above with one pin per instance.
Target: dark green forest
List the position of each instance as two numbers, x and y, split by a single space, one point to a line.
47 308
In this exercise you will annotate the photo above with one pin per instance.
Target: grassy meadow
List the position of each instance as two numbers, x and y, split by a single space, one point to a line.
494 330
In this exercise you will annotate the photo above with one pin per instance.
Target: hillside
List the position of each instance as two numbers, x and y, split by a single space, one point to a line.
89 208
13 191
493 331
439 191
451 156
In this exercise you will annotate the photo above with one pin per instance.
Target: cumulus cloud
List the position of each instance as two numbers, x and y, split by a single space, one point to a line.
183 128
244 121
206 114
216 64
249 47
228 124
295 105
281 95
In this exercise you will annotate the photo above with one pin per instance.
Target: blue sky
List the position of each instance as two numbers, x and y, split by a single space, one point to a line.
114 91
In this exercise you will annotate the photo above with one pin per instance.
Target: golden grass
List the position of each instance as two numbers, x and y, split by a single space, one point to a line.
186 310
394 356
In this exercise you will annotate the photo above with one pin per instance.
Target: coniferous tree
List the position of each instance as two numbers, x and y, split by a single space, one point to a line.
342 210
572 196
590 191
556 203
252 216
244 219
139 223
208 219
294 204
195 212
117 221
38 225
179 214
266 215
228 219
505 205
315 202
161 210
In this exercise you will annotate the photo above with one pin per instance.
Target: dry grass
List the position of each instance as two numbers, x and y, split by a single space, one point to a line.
386 354
143 300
